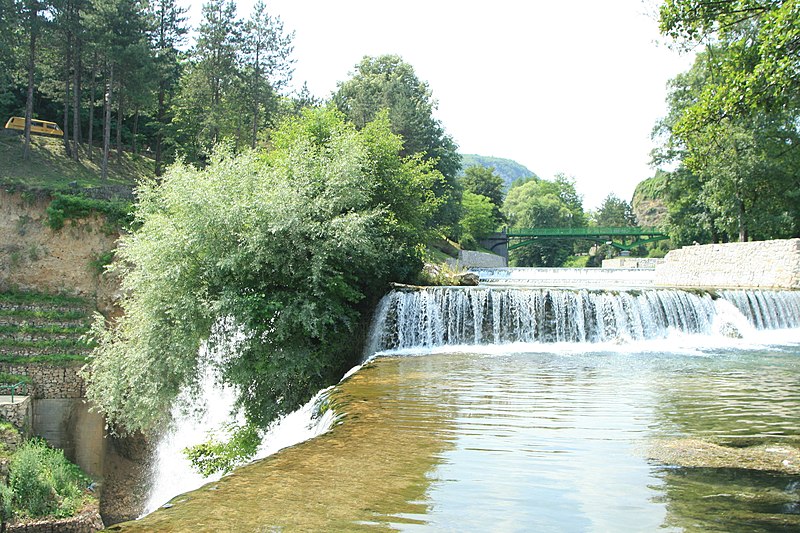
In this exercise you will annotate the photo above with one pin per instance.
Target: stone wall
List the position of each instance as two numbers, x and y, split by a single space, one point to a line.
18 413
632 262
50 381
746 265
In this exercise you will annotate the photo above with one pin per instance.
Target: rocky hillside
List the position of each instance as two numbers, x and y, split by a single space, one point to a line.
648 203
507 169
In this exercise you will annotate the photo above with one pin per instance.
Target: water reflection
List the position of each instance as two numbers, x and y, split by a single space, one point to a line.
522 441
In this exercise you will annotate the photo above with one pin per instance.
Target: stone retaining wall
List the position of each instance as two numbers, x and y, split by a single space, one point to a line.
744 265
18 413
632 262
49 381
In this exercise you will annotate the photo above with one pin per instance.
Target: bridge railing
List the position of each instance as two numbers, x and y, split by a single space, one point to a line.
587 231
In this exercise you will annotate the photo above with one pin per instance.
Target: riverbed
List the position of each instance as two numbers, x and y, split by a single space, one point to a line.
536 437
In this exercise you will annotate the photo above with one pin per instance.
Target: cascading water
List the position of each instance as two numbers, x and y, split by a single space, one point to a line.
447 316
173 473
552 403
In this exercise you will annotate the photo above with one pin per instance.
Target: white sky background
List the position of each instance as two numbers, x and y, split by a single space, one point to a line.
558 86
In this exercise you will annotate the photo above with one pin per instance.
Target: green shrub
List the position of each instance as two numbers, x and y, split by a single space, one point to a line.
576 261
13 379
68 206
6 503
44 483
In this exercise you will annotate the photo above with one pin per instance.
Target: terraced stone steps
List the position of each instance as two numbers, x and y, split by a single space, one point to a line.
42 328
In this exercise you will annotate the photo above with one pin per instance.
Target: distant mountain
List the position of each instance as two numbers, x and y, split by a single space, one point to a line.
505 168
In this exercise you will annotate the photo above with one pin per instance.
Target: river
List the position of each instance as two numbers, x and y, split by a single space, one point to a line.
618 424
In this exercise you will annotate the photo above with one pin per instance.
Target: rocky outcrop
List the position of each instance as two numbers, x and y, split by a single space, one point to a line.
35 257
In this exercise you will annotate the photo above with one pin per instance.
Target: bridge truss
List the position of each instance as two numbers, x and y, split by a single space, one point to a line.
625 238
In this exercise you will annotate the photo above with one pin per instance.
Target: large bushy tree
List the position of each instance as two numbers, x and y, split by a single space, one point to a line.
282 253
482 180
614 212
388 82
738 167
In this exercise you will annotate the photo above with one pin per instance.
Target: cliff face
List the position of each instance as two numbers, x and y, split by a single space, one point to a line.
34 257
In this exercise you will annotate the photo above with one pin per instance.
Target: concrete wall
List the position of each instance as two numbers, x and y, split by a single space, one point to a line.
747 265
471 259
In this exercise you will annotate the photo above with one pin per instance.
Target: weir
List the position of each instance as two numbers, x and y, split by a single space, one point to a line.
520 389
450 316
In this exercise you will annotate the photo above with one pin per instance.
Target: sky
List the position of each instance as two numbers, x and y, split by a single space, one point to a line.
561 87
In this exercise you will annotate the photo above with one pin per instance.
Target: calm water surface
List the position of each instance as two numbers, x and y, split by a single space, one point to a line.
529 438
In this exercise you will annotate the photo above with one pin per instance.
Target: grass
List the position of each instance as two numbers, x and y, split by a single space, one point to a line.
50 329
50 169
43 314
44 344
39 336
29 297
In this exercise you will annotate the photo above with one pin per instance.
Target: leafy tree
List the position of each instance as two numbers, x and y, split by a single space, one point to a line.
267 66
483 181
203 107
744 165
387 82
614 212
168 33
477 219
765 33
280 255
32 15
539 203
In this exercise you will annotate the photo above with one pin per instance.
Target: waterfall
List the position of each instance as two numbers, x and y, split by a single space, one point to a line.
447 316
173 474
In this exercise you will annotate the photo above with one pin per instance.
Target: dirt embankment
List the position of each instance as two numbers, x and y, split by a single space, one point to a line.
37 258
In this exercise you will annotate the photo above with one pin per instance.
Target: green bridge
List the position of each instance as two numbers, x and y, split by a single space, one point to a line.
622 238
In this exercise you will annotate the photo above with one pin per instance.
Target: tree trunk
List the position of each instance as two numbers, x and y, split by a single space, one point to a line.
107 121
91 106
256 99
120 111
740 212
160 132
135 130
76 102
31 65
67 77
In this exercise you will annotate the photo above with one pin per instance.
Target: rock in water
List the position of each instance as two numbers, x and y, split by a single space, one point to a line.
468 279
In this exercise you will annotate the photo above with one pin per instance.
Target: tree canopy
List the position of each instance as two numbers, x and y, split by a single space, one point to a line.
732 125
122 65
387 82
538 203
280 254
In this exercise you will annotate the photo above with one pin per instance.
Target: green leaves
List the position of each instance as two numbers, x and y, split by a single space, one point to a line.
285 251
733 120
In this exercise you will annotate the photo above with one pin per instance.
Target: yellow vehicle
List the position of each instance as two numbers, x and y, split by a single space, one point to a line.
42 127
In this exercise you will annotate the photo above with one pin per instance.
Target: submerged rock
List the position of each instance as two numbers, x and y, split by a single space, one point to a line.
703 454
